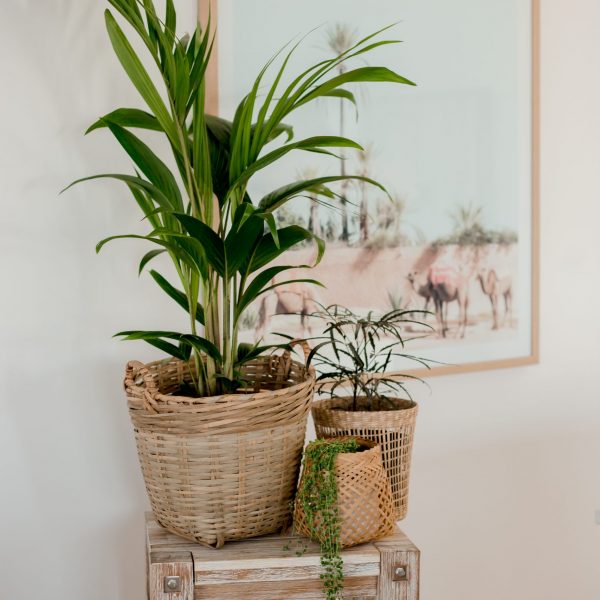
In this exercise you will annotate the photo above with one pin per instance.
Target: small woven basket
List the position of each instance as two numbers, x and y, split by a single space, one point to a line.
392 429
225 467
364 497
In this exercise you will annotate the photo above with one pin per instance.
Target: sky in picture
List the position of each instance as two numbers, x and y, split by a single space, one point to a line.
448 142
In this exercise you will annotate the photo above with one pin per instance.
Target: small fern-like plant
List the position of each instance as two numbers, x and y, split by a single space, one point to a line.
317 496
357 351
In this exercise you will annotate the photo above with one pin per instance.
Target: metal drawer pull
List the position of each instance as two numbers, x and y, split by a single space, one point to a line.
172 584
400 573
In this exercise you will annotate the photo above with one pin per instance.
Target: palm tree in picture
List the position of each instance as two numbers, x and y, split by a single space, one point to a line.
314 225
468 228
365 158
467 217
340 38
390 216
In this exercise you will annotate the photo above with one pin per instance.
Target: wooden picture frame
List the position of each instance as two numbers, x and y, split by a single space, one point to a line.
532 356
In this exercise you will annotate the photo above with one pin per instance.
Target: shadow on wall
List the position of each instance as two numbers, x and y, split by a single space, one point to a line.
509 519
120 562
78 501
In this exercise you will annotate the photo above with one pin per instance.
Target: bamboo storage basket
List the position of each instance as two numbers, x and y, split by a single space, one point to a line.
364 497
392 429
225 467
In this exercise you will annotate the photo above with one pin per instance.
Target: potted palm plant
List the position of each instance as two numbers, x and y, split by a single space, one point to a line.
219 424
353 357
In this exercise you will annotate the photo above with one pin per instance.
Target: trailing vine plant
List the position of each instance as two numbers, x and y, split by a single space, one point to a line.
317 496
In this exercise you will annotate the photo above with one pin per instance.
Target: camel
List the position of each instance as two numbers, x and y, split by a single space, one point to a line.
448 285
494 287
293 298
421 286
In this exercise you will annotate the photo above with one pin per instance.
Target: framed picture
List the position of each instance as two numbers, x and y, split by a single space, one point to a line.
458 154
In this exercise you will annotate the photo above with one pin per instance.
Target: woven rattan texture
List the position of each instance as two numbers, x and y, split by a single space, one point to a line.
392 429
365 504
221 468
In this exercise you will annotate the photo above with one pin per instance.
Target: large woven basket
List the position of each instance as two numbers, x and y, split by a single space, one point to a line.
392 429
225 467
364 497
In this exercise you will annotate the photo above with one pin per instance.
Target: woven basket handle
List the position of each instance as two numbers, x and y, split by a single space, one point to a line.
287 355
285 360
139 382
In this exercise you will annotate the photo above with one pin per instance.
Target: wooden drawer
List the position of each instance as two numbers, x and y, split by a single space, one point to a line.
269 568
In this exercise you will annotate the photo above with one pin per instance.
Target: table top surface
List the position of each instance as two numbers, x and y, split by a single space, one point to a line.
263 552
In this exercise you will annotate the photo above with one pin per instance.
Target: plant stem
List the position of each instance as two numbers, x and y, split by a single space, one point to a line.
227 349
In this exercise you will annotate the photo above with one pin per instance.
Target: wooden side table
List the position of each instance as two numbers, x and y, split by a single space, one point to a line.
275 567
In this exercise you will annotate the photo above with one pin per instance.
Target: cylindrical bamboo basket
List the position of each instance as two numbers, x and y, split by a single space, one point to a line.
393 429
364 497
226 467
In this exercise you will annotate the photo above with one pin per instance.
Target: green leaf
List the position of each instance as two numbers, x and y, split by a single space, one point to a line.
177 295
200 64
180 89
176 250
170 19
280 129
198 343
168 348
260 284
247 352
218 136
267 126
360 75
202 157
269 219
128 117
151 166
219 128
313 143
280 196
130 11
291 281
163 42
201 344
148 257
147 335
267 250
154 192
148 207
139 76
343 94
211 243
219 141
188 246
241 240
371 47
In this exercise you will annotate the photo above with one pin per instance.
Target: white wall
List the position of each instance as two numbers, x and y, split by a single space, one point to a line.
505 477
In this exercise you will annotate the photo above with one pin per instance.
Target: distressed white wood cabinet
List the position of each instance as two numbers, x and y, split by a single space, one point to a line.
275 567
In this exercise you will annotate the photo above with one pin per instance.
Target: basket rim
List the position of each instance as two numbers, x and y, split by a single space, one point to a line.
321 404
222 398
364 442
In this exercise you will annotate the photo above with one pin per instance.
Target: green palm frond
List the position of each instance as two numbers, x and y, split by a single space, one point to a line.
221 242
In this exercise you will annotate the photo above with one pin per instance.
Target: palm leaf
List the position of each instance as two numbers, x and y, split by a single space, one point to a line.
177 295
127 117
280 196
151 166
139 76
